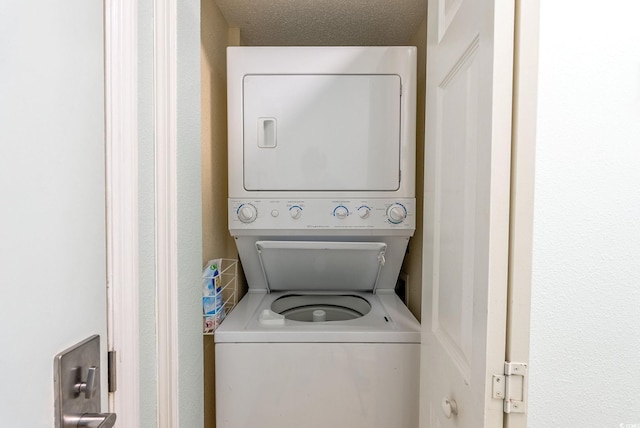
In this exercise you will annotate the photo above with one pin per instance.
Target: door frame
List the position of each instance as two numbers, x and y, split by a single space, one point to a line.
121 99
165 106
523 144
121 153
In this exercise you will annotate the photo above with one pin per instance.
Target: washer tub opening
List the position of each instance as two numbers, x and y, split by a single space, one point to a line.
321 307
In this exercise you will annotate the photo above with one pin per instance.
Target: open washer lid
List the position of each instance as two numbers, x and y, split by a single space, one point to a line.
321 266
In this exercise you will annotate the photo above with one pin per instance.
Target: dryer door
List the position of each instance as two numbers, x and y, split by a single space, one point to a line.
321 132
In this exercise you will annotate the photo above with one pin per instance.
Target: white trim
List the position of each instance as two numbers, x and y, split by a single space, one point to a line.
122 204
522 187
165 84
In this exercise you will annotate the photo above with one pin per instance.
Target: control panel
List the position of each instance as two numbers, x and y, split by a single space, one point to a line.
322 214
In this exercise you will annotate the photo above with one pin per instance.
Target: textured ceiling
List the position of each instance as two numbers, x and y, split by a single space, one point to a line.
324 22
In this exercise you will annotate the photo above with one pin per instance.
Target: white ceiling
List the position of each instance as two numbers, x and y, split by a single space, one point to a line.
324 22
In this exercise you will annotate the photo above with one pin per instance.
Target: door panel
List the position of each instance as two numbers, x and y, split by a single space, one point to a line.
52 188
455 210
467 164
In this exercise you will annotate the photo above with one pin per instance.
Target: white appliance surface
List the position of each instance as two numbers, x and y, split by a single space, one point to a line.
389 321
321 207
317 385
321 121
300 216
321 265
360 373
307 127
314 220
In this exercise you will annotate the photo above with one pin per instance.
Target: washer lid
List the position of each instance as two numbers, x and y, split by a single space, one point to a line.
321 266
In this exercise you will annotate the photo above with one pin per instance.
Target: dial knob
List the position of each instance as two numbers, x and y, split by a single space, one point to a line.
247 213
396 213
295 212
364 212
341 212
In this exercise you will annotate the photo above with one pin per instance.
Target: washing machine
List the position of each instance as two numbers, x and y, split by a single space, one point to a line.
321 207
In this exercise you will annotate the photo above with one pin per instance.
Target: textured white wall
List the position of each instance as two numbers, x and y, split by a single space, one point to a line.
585 320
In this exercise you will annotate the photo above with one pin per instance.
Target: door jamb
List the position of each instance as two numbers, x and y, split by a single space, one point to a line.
165 102
522 189
121 140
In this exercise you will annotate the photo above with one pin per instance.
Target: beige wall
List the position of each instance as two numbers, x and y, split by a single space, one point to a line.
216 242
413 261
214 41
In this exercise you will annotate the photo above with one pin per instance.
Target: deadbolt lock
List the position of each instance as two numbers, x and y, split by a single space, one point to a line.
88 388
77 387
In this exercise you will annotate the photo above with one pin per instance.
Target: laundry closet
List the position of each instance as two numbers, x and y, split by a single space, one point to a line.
383 23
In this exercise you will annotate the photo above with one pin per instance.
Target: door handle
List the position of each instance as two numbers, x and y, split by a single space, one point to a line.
449 407
77 401
90 420
267 132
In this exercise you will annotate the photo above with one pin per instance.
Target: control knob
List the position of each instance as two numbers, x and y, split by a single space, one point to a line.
247 213
396 213
364 212
295 212
341 212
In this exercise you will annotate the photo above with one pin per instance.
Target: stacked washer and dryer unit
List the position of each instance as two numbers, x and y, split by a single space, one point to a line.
321 207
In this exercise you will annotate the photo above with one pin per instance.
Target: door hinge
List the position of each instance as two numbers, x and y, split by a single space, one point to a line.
511 387
111 371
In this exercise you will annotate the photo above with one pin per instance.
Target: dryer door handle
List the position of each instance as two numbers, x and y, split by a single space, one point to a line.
267 132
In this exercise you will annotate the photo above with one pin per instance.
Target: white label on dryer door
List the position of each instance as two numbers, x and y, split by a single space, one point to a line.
334 132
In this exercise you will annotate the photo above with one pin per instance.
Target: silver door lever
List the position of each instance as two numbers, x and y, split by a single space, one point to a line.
90 420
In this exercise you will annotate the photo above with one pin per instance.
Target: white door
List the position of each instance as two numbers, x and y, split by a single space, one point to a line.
467 173
52 197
